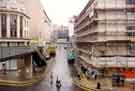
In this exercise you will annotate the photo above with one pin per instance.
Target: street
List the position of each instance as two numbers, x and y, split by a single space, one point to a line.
60 68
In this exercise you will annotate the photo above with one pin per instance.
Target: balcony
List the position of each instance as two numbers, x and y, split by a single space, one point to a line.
112 36
131 33
81 19
130 7
113 61
86 24
87 39
86 60
84 51
101 62
94 36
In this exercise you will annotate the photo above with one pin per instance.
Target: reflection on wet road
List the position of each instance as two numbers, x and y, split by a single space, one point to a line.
60 68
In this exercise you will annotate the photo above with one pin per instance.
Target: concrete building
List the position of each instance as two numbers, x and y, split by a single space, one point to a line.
16 56
14 24
40 23
14 37
105 35
54 37
59 33
63 33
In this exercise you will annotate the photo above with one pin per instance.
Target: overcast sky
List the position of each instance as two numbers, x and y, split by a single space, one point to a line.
60 11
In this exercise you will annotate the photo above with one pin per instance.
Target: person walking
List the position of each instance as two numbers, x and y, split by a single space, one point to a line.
51 79
58 84
98 85
4 69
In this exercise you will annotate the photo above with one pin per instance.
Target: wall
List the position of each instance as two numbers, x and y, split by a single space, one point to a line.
39 24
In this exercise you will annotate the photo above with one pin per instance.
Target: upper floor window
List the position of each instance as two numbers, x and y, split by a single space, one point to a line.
131 48
130 1
13 25
21 26
131 15
131 28
3 25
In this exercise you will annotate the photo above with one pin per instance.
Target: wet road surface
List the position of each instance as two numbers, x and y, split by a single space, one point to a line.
60 68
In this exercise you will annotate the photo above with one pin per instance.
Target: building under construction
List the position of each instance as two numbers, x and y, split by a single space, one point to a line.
105 36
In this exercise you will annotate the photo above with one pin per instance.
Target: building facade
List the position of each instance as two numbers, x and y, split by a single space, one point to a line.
14 38
63 32
59 33
105 35
14 24
40 23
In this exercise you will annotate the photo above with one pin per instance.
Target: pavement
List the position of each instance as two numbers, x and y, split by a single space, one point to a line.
60 68
13 79
91 84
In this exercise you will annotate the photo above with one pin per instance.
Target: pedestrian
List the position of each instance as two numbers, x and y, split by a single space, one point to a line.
118 80
98 85
79 77
4 69
51 79
123 81
58 84
95 77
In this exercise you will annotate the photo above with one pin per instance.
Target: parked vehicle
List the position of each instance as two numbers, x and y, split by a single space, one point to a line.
51 51
71 57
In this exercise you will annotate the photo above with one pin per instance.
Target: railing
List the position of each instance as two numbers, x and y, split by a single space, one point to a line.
86 24
39 53
114 61
131 33
7 52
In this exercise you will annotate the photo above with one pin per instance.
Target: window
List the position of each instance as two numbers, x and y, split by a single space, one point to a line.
131 48
4 25
13 26
21 26
130 1
131 30
131 15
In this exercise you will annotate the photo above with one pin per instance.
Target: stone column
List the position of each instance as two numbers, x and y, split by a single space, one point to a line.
18 26
28 66
21 68
8 26
0 27
23 27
